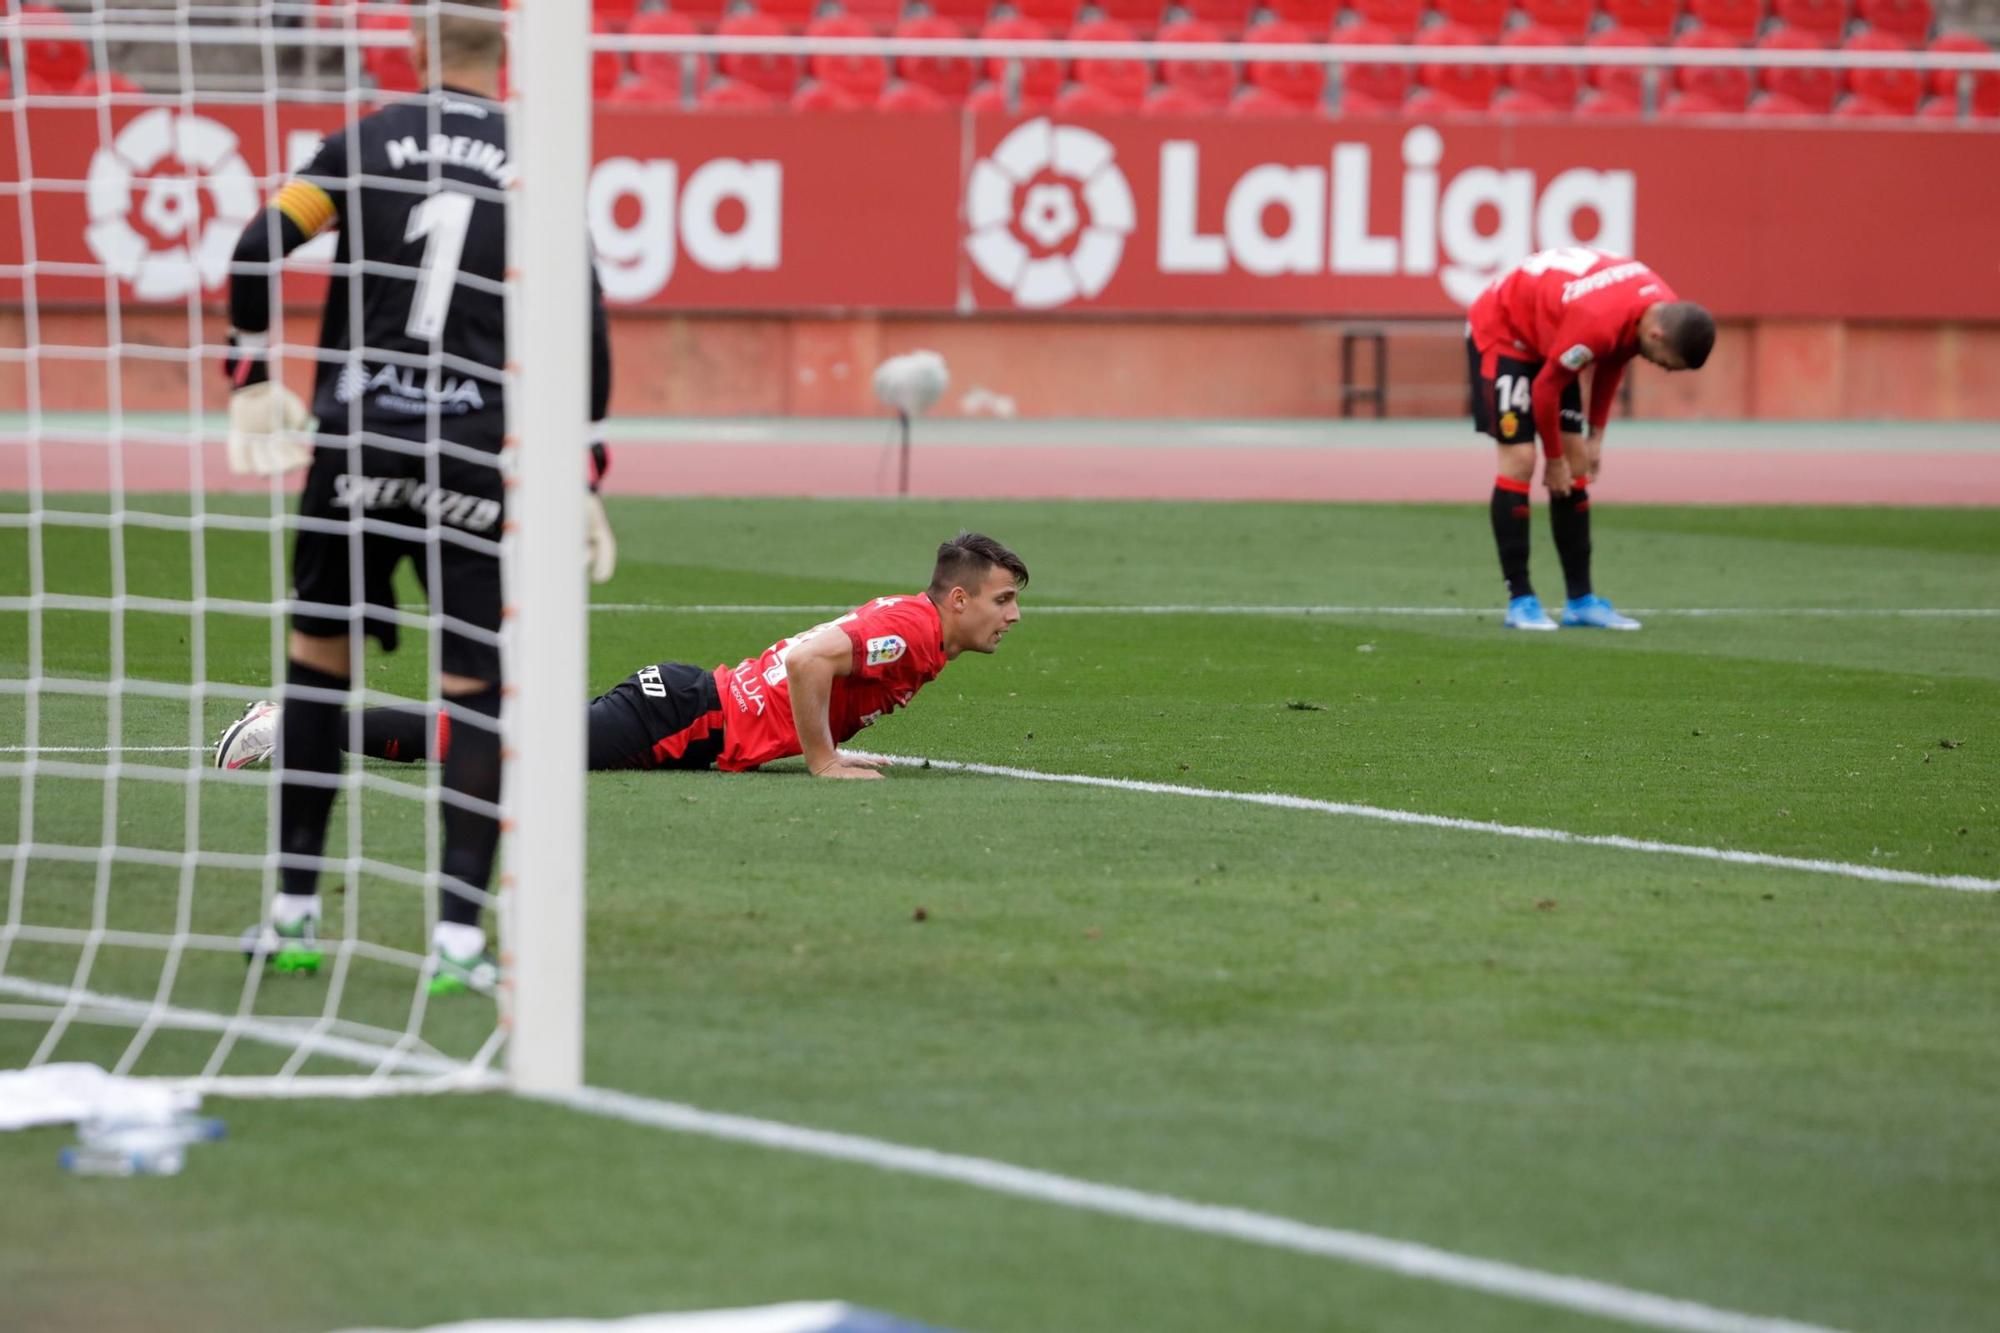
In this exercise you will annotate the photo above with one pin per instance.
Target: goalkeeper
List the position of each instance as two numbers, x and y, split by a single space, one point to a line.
404 459
804 695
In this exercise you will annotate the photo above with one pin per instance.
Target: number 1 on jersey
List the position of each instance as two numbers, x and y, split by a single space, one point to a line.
443 219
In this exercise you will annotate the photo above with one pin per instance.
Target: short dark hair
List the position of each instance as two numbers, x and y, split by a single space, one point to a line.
1689 330
963 561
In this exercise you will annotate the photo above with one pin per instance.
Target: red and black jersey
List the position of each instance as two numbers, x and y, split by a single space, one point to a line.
1568 309
898 645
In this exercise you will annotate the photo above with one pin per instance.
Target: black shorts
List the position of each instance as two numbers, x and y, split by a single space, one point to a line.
388 490
664 716
1503 402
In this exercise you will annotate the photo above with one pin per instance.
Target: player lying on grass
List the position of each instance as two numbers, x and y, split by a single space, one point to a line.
1529 338
803 695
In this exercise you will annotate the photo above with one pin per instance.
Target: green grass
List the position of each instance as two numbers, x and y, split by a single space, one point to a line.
1766 1090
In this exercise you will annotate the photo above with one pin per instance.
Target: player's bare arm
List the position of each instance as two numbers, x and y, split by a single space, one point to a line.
811 666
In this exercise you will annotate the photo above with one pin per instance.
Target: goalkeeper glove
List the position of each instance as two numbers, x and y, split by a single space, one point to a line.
603 546
268 425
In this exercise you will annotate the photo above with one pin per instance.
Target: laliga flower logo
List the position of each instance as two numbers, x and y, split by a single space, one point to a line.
196 256
1049 212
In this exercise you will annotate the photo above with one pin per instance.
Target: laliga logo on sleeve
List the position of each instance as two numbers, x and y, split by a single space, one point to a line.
1049 212
885 649
195 255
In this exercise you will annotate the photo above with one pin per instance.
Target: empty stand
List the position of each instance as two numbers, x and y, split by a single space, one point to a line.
1369 89
776 76
1908 19
856 77
1123 81
1814 87
1041 78
1653 18
1895 92
1458 87
1725 87
1298 81
1207 82
1625 82
950 77
1545 88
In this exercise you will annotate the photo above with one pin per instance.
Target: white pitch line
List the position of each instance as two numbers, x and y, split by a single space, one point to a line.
102 749
1405 1258
1385 814
1071 609
1281 801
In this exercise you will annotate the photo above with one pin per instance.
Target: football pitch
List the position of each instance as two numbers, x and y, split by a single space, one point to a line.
1770 1090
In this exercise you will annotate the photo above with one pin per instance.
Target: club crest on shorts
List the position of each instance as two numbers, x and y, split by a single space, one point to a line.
1510 425
1576 358
885 649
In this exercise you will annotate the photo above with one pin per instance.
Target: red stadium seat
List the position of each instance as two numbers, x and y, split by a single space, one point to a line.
1126 81
644 92
1371 86
1552 86
1654 18
990 99
1826 18
858 77
906 97
661 67
1739 18
1209 82
1510 104
1041 78
950 77
879 15
1231 16
60 59
971 15
794 14
1682 105
1815 87
1300 81
1464 87
1055 15
1315 16
614 13
1945 82
607 68
1947 108
1485 17
1782 106
1908 19
1595 103
1172 101
706 15
1898 91
1087 99
1856 107
774 75
817 96
1726 86
1400 17
1625 82
96 83
734 95
1144 16
1571 18
1259 103
1359 106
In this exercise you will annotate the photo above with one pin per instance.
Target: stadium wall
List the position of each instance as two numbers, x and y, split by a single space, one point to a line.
762 365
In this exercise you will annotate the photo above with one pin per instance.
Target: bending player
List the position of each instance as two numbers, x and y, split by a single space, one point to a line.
803 695
405 463
1530 337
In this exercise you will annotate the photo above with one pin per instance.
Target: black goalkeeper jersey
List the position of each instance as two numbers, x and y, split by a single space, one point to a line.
417 195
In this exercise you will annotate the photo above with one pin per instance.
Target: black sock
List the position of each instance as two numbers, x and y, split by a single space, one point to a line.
1510 534
399 734
1569 520
472 769
308 743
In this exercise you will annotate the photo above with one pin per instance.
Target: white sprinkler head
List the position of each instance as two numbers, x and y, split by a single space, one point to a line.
911 383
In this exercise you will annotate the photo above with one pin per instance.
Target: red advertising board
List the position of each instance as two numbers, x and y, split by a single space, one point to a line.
776 211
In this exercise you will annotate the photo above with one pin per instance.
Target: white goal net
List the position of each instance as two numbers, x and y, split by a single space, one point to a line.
147 590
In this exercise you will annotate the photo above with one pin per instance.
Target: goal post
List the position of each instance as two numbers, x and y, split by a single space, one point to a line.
548 316
145 595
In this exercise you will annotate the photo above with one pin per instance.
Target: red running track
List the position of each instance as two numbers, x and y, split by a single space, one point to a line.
1640 474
